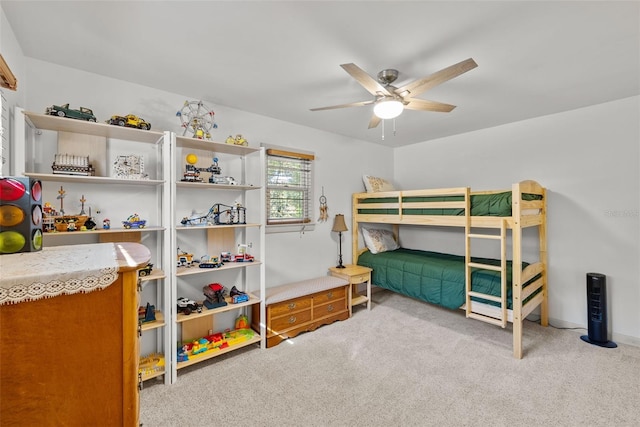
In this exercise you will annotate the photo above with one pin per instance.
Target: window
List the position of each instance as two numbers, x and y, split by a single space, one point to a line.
289 187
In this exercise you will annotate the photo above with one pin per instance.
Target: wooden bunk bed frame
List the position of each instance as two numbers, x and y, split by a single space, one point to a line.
525 213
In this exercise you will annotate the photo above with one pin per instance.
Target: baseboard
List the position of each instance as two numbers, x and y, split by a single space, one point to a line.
615 337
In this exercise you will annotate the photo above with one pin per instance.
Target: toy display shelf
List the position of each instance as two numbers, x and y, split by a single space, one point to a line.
203 227
156 274
63 124
92 179
218 147
102 231
152 366
204 185
215 353
158 323
210 312
195 269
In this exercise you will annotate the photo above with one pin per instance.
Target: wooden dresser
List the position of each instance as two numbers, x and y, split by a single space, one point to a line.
72 360
303 306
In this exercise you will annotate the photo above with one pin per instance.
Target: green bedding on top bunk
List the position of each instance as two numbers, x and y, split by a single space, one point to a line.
497 204
433 277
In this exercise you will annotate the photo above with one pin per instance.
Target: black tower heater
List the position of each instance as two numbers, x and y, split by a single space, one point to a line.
597 311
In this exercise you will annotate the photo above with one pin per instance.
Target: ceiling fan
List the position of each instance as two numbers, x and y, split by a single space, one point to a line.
389 101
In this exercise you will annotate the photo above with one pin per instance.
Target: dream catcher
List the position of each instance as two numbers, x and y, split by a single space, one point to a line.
323 208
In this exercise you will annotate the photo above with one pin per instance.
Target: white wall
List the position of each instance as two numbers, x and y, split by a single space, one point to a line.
589 159
290 256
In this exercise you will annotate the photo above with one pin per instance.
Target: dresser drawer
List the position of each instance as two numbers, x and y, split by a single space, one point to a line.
329 295
329 308
291 320
360 278
290 306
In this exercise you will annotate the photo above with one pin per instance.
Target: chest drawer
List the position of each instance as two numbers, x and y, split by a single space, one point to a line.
290 320
290 306
329 295
329 308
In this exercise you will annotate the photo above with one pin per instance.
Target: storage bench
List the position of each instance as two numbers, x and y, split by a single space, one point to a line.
302 306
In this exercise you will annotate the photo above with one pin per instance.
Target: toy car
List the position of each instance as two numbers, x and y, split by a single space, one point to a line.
130 121
146 270
64 111
210 262
134 221
188 306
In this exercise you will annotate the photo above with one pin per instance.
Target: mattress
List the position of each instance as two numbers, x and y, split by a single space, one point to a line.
433 277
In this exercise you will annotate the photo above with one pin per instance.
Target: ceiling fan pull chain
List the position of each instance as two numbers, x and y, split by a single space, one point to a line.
383 130
394 127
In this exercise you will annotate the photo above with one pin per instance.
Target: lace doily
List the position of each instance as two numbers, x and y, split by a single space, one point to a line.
57 270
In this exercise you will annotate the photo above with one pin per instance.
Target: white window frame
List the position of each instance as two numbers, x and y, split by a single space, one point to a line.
307 223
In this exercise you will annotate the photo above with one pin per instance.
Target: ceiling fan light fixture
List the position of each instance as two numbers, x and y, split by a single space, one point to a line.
388 109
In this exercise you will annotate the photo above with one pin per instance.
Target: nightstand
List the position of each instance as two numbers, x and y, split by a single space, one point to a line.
355 274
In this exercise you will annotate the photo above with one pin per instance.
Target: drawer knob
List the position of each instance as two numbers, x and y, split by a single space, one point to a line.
330 307
292 306
292 319
330 295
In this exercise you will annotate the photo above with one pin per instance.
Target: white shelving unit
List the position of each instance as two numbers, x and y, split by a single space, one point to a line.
246 166
38 138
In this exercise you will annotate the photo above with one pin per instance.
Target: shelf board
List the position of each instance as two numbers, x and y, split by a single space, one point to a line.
210 354
92 179
195 269
156 274
218 147
150 376
100 231
55 123
158 323
360 299
209 186
206 312
202 227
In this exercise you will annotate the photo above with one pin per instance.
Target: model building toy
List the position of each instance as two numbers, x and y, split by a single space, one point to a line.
238 296
134 221
188 306
197 118
184 259
64 111
130 121
192 172
147 314
214 294
219 214
146 270
209 262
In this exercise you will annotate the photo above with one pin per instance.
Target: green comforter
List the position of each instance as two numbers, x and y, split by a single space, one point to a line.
433 277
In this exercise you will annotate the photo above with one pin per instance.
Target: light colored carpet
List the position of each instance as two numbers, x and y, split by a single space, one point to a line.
407 363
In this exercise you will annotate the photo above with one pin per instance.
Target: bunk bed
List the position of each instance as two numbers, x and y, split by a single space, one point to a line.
496 291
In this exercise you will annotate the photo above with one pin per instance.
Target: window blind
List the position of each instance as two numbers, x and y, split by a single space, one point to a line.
289 187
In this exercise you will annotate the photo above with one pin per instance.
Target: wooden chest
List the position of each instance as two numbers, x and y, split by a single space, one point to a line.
300 307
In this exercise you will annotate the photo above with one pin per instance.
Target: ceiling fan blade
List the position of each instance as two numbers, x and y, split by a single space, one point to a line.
374 122
419 86
424 105
352 104
368 82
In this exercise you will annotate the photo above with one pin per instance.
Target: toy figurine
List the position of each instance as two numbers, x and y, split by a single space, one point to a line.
106 224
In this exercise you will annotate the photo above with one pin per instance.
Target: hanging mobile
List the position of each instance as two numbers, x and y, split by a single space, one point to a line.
323 208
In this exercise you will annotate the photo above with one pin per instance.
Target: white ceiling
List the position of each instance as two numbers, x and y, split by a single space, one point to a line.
279 59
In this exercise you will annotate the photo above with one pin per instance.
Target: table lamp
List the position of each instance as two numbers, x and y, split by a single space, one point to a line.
339 226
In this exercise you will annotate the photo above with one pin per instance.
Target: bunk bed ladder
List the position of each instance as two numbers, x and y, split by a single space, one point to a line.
499 318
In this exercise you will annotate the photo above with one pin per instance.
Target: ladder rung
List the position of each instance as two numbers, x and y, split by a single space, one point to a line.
485 236
492 320
485 296
485 266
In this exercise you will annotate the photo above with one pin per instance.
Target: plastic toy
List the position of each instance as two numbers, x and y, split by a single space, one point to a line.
242 322
210 262
184 259
214 293
147 314
151 364
130 121
64 111
192 172
238 296
146 270
187 306
68 164
106 223
225 256
238 140
134 221
197 118
219 214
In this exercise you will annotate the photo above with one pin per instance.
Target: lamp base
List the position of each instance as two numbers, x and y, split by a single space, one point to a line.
340 266
606 344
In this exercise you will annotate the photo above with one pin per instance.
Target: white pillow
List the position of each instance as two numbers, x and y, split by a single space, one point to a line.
374 184
379 240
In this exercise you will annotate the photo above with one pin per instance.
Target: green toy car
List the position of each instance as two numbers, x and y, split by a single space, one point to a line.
64 111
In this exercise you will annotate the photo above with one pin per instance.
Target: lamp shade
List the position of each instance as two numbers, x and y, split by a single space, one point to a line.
339 224
388 109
